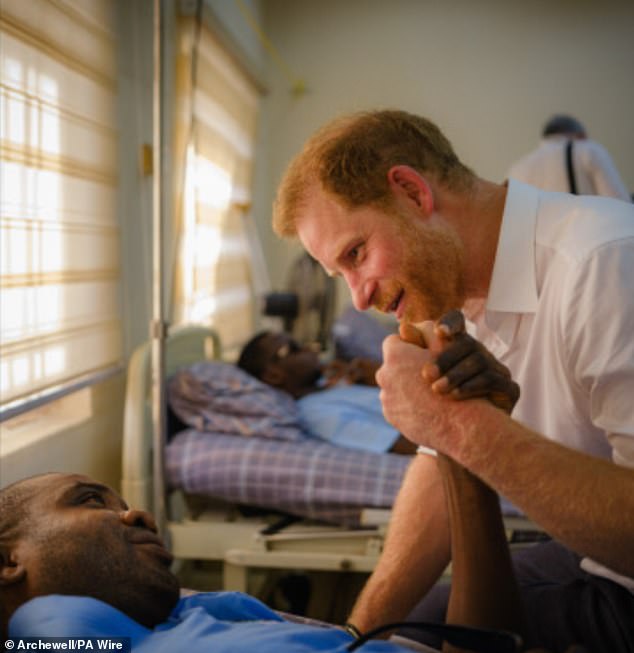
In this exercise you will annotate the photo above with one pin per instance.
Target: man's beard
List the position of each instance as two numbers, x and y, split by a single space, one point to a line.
432 272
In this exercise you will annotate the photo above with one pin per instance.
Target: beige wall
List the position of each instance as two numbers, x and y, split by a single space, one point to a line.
92 446
488 72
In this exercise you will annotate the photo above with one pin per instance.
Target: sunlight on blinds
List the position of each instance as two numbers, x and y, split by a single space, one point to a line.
214 284
59 239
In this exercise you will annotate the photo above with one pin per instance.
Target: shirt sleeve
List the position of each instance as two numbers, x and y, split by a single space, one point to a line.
598 323
605 177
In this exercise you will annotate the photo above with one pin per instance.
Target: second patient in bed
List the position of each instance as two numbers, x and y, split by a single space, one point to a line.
338 401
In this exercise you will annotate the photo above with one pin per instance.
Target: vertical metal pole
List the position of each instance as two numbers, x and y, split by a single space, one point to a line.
158 326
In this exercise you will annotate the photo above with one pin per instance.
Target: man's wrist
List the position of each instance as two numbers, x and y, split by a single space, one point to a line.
464 426
473 425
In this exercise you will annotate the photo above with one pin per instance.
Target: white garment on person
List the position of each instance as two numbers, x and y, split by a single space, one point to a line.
595 172
560 316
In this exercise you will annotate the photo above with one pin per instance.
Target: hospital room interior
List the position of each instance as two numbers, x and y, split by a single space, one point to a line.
142 144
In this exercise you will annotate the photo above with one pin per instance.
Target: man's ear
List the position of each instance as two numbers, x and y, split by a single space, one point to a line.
409 184
11 569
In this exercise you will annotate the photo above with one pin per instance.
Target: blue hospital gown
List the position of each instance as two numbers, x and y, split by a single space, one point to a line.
349 416
210 622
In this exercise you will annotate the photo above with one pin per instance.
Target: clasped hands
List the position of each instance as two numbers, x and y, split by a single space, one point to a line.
430 364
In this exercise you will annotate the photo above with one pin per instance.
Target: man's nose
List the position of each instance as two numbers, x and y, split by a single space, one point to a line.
139 518
358 291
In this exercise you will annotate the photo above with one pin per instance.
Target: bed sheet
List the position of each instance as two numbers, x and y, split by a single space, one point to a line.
308 479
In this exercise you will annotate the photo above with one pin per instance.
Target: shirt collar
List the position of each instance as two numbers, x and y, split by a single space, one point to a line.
513 286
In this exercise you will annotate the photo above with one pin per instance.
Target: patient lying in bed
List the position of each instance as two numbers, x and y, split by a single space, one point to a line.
338 402
247 442
78 563
323 456
65 534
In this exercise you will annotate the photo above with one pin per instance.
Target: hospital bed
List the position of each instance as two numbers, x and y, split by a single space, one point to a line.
218 529
205 522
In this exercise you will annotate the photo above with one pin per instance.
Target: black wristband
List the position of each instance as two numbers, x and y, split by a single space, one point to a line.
351 629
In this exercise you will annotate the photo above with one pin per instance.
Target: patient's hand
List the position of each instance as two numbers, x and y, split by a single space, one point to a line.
362 371
463 367
358 370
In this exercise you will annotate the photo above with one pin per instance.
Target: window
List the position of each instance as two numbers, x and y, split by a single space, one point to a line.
59 239
214 277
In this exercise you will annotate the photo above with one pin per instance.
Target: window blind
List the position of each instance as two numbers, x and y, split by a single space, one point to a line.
219 109
59 256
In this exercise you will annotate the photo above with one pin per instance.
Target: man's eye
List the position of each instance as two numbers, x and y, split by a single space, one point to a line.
354 253
92 497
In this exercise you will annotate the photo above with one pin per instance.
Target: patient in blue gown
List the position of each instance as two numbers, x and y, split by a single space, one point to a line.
77 562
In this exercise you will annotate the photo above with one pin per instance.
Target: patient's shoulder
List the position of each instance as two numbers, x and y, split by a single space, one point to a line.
66 616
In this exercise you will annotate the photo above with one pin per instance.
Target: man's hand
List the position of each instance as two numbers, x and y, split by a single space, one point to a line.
463 367
431 364
408 401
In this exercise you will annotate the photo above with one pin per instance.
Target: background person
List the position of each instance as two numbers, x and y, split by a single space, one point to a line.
592 169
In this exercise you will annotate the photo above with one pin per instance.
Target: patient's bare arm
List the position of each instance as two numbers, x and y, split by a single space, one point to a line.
417 550
484 592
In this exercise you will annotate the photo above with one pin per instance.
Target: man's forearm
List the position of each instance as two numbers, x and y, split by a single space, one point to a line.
416 550
584 502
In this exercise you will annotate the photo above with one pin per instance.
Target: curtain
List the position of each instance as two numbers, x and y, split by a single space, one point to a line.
216 117
59 239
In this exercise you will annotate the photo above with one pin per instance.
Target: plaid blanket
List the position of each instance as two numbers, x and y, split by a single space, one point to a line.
309 479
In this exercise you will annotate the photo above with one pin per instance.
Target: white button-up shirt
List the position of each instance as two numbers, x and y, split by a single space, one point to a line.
560 316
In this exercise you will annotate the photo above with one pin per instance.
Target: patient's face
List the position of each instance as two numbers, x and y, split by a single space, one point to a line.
296 367
84 541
